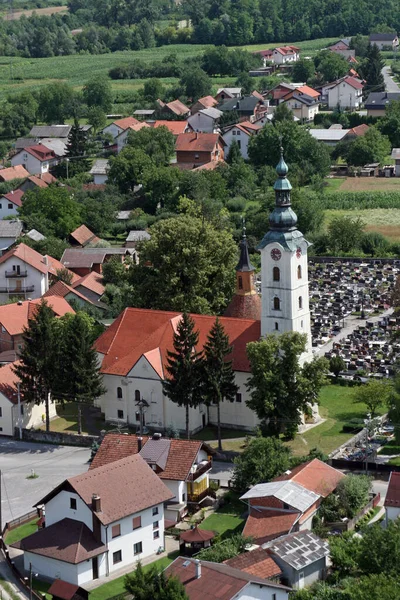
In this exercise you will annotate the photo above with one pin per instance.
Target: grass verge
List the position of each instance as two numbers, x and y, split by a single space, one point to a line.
210 433
21 532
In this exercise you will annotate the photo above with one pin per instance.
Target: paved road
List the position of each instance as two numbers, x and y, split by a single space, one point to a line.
390 84
222 471
53 464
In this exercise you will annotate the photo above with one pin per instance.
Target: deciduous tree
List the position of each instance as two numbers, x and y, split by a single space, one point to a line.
153 584
261 461
373 394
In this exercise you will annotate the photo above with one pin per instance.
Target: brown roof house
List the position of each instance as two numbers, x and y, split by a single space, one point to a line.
183 465
392 500
100 522
196 149
176 108
82 236
83 261
288 503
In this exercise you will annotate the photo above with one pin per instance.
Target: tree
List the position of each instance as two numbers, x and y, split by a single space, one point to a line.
353 493
234 154
56 209
282 113
280 389
344 551
218 377
128 168
182 384
369 148
303 70
232 546
96 117
157 142
345 233
76 374
371 69
76 149
359 43
153 89
36 367
330 65
56 103
98 92
373 394
191 264
196 83
153 585
261 461
336 365
64 275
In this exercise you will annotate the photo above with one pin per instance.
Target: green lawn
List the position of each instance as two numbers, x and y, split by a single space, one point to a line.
394 461
210 433
337 407
116 587
21 532
227 520
333 184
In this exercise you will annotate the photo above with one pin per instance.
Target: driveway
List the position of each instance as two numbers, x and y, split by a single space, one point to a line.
222 471
51 463
390 84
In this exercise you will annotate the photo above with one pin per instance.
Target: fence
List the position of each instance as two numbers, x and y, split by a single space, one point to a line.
351 523
361 465
59 438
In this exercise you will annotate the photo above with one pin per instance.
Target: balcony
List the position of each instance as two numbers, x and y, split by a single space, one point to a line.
197 498
16 273
17 290
202 468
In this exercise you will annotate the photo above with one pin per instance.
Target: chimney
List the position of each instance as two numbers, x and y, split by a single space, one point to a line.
19 302
198 568
45 260
139 443
157 436
96 503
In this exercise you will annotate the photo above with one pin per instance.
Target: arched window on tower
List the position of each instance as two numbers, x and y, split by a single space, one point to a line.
276 274
300 302
240 283
277 304
119 393
299 272
276 326
137 395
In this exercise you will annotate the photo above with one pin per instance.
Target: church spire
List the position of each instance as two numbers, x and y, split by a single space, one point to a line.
282 218
244 264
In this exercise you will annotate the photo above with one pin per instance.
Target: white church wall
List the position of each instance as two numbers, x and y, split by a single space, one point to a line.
236 414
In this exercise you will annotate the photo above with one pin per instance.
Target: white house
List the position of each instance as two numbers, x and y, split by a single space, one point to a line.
183 465
384 40
285 54
345 93
99 522
119 126
122 138
35 159
14 412
241 133
205 120
99 171
303 101
396 155
392 499
223 581
9 203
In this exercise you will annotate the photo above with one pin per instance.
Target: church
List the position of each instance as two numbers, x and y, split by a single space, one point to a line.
133 350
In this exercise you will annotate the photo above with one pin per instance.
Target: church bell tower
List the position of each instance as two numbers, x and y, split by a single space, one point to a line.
284 270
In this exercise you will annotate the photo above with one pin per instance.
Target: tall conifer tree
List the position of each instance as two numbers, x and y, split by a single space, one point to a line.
76 148
218 378
184 363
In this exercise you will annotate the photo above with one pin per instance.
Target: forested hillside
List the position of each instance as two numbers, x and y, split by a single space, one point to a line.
100 26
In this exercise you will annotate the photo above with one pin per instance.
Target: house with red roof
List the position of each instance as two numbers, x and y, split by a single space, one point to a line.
205 102
15 317
25 273
196 149
183 465
392 499
345 93
14 412
62 290
176 108
9 203
133 357
117 127
241 133
11 173
289 502
42 180
82 236
281 55
122 138
100 523
342 47
303 101
35 159
91 286
174 127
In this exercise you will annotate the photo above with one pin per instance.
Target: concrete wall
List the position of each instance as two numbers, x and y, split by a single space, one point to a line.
202 122
58 508
59 438
56 569
345 96
30 416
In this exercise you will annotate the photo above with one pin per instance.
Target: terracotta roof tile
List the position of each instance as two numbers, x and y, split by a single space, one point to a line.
63 589
208 101
27 255
14 317
257 562
265 524
82 235
17 172
182 454
67 540
40 152
138 331
125 123
92 281
244 307
316 476
196 535
393 491
177 107
61 289
175 127
55 265
8 382
15 197
197 142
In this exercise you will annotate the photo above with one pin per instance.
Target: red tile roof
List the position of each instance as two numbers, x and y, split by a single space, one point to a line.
63 589
43 180
125 123
141 332
355 83
175 127
307 90
285 50
55 265
14 197
264 525
83 236
40 152
249 125
14 317
316 476
393 491
8 382
61 289
244 307
68 540
217 581
359 130
208 101
181 457
196 535
257 95
197 142
17 172
92 281
257 562
177 107
125 487
28 255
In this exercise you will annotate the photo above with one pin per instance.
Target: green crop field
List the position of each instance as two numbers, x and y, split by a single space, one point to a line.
18 74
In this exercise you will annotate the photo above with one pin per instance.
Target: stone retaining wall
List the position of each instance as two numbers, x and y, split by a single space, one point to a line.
59 438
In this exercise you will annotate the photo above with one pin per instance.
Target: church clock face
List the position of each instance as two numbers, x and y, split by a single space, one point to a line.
298 252
276 254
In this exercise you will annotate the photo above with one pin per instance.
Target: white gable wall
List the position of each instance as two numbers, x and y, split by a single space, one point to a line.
11 417
56 569
240 137
345 96
236 414
253 591
34 278
58 508
32 164
6 211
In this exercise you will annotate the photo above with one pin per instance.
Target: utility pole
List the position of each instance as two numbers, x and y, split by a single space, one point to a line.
79 419
30 581
19 410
